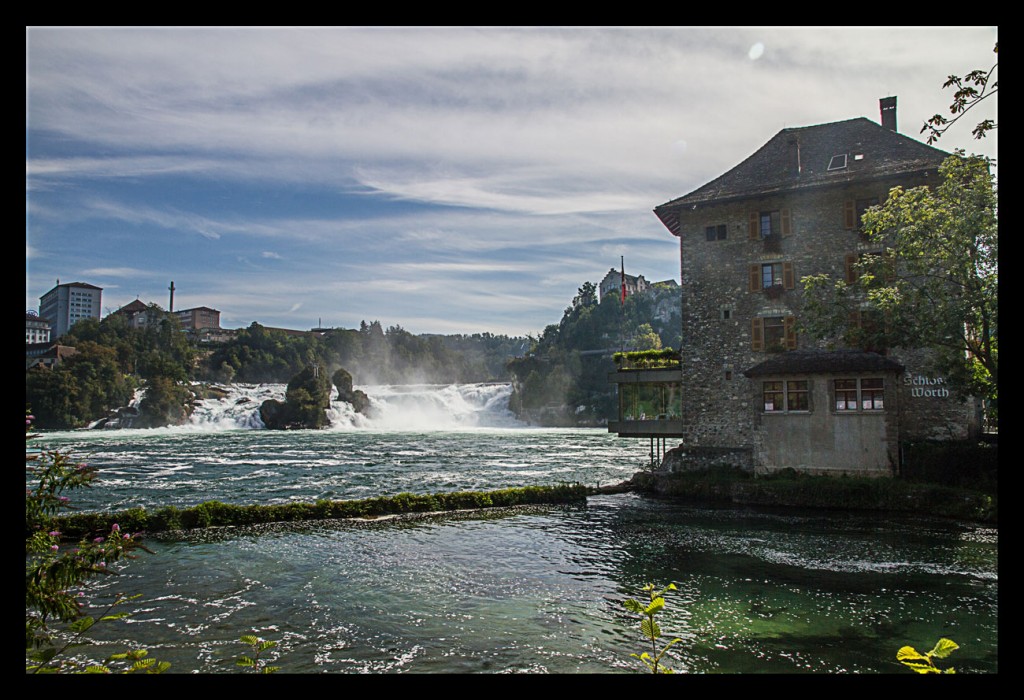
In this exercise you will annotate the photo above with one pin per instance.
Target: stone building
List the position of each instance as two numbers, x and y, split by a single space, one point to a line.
613 281
755 392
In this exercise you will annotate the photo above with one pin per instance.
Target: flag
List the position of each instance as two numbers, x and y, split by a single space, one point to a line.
623 300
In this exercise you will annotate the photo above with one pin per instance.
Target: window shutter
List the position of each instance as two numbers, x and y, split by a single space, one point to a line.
789 327
849 214
757 334
788 278
851 271
787 222
754 284
755 226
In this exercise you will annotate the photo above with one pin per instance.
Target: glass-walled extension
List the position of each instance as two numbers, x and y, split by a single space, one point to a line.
650 401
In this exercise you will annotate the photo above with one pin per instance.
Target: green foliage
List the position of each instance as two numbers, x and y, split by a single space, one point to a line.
165 403
657 358
258 646
925 663
215 513
971 89
56 577
649 627
936 283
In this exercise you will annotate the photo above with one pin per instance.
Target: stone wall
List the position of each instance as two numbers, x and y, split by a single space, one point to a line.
684 458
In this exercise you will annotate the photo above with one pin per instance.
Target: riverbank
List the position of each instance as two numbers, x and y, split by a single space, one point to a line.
794 490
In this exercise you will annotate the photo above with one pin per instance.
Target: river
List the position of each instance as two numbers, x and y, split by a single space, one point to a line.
539 591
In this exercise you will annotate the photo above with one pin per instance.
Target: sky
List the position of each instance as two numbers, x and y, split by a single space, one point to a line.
442 179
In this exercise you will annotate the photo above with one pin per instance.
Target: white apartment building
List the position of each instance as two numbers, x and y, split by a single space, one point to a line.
67 304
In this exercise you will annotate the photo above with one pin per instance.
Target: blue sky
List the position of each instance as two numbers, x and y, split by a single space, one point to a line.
447 180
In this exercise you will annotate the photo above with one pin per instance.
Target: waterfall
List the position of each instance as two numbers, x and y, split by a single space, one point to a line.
413 407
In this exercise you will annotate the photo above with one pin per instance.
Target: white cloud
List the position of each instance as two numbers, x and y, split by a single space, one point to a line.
363 171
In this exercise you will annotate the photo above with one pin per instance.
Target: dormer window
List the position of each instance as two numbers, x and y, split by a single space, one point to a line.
838 162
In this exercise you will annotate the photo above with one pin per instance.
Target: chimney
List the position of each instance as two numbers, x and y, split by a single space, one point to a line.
171 309
888 107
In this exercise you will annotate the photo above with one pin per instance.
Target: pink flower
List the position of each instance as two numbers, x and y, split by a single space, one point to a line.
54 547
98 540
115 528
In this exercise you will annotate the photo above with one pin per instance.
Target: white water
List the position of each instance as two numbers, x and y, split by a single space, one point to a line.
417 407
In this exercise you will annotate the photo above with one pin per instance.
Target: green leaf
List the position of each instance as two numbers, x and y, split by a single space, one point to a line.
633 606
656 605
96 669
249 639
245 661
116 616
263 646
650 629
943 648
909 653
82 624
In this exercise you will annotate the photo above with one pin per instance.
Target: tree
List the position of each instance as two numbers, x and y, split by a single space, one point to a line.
934 285
973 88
57 577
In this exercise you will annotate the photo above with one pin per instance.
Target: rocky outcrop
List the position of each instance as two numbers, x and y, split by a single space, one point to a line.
305 403
342 379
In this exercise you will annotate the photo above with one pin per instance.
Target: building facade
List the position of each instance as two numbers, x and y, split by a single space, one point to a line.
37 329
67 304
613 281
756 392
199 318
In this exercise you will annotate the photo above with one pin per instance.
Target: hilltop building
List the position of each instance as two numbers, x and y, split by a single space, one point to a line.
613 281
37 329
750 390
67 304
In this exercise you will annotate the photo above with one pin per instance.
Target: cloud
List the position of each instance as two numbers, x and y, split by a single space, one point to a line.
365 172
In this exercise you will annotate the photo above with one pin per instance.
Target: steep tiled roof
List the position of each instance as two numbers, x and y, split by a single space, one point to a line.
132 307
819 361
799 158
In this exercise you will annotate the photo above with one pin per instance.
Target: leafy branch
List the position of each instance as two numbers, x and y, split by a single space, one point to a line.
258 646
971 89
649 626
924 663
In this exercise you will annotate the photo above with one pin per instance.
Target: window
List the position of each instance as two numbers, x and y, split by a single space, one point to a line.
774 398
866 394
789 395
767 275
838 162
715 233
853 210
765 224
867 330
773 333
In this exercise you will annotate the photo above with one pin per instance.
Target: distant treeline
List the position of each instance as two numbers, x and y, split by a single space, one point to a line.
553 374
114 358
